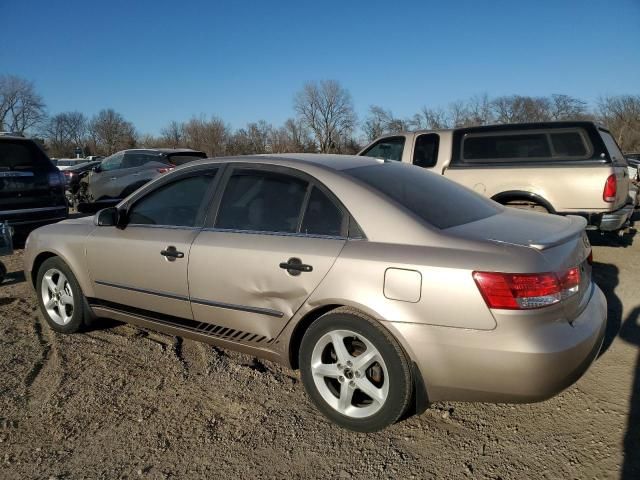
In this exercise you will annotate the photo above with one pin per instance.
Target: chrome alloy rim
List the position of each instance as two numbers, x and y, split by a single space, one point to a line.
350 373
57 296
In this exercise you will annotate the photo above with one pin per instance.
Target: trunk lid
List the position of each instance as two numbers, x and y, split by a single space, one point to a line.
561 241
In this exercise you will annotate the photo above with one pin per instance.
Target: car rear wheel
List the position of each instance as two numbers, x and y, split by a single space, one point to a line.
355 371
61 301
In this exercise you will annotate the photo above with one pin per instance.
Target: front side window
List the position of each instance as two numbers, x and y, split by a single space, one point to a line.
113 162
322 216
425 154
387 148
261 201
175 204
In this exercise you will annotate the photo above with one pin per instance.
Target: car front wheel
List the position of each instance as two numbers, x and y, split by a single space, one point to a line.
355 371
61 300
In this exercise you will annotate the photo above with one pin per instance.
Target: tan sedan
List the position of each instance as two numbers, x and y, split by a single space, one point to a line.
387 286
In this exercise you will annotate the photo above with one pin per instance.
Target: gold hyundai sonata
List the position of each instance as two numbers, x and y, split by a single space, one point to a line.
387 286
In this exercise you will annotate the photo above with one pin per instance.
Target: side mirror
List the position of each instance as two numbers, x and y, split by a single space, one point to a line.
111 217
97 168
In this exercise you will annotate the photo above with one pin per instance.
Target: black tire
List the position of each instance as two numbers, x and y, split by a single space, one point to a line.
3 272
81 314
400 387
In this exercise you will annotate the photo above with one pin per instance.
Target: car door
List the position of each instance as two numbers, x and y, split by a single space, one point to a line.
144 265
275 236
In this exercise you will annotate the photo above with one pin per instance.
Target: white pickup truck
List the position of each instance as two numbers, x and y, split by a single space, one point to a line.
563 168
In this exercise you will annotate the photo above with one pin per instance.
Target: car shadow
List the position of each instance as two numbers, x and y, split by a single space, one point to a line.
605 276
630 333
13 278
601 239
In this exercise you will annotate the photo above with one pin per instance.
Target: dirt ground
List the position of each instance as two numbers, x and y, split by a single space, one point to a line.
121 402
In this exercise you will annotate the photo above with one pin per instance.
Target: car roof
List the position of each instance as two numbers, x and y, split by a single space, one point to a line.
323 160
503 126
161 150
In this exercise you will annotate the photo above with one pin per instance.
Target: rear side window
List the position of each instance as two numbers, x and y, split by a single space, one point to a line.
568 144
261 201
114 162
487 147
434 199
322 216
425 154
553 144
22 156
133 160
176 204
390 148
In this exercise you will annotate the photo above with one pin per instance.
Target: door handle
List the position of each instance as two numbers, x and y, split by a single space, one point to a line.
294 266
172 253
113 178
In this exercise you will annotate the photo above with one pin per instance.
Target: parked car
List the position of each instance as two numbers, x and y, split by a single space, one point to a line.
123 173
387 285
73 175
31 187
65 163
566 168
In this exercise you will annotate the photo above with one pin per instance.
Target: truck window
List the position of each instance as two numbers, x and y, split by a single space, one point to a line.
425 153
501 147
389 148
568 144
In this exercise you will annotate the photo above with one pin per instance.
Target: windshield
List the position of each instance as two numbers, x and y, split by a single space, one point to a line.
436 200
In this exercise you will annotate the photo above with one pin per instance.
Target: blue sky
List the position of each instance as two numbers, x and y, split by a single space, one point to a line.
156 61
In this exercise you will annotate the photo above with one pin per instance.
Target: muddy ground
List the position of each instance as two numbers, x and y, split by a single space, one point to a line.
121 402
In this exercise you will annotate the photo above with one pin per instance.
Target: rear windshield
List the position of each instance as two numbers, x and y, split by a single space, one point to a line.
529 146
21 156
434 199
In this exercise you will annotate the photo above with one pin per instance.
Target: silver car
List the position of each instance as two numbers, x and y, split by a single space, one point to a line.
389 287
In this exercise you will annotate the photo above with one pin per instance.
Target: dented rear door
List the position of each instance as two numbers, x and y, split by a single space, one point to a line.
238 286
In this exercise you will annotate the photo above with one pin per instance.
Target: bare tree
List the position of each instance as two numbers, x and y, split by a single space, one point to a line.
210 136
518 109
64 133
110 132
565 107
327 110
255 138
621 114
21 108
380 121
173 134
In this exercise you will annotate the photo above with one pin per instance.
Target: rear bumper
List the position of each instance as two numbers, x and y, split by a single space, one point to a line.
607 221
514 363
31 217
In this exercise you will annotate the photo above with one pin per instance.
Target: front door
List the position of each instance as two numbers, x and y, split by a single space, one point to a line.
275 237
144 265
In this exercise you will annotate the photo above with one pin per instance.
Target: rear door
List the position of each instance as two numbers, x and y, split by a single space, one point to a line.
28 179
101 181
619 164
275 237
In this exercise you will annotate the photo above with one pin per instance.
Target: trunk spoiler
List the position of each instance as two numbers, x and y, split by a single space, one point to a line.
578 224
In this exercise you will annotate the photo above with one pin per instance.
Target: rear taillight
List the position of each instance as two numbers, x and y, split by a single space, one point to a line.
610 189
523 291
165 169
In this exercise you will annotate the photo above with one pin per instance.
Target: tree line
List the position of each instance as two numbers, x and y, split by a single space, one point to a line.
323 120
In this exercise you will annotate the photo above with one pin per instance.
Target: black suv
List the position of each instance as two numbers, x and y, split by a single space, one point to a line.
31 187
